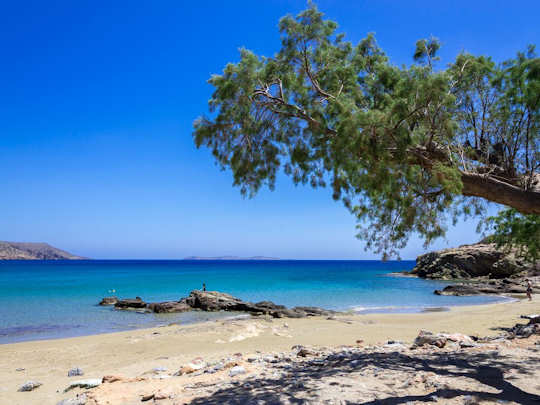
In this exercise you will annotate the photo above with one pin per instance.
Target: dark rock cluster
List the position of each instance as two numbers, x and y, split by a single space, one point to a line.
215 301
484 287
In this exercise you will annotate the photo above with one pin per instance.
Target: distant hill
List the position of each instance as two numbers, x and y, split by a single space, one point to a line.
33 251
230 258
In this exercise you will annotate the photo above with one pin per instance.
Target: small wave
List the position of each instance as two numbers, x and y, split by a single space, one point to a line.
393 309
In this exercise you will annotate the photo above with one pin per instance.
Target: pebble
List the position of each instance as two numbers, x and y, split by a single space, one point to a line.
29 386
237 370
75 371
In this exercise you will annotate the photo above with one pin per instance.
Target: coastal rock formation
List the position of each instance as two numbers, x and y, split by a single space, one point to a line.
169 307
216 301
133 303
108 301
468 261
33 251
483 287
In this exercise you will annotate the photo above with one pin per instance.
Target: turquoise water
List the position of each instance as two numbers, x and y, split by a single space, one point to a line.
52 299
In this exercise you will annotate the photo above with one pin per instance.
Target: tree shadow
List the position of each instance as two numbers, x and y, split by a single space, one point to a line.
293 385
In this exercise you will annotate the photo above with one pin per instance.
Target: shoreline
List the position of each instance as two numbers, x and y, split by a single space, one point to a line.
352 311
133 353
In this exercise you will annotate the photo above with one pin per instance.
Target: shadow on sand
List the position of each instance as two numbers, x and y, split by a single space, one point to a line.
293 386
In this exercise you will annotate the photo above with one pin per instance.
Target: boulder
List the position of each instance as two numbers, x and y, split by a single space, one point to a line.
428 338
108 301
136 303
467 261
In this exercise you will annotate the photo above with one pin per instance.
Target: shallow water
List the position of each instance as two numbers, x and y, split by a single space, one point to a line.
52 299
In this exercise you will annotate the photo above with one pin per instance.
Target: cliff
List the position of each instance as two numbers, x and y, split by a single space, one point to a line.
33 251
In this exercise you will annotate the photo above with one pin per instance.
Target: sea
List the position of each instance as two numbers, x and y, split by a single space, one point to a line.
57 299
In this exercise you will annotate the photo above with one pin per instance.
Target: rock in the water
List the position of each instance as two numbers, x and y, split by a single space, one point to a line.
477 287
477 260
29 386
169 307
130 303
458 290
108 301
218 301
75 371
237 370
90 383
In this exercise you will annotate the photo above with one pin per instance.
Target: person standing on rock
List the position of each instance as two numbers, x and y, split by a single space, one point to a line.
203 286
529 289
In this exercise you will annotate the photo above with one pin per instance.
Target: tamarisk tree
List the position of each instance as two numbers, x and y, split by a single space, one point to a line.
405 148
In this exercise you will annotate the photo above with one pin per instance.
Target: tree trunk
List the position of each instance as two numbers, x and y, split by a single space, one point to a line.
525 201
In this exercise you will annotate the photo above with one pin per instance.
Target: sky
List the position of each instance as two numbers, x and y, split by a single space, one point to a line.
98 99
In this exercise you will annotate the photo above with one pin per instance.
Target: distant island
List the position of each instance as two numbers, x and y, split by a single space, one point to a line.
33 251
230 258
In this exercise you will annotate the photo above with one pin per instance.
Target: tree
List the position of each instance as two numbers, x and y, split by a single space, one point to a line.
520 233
405 148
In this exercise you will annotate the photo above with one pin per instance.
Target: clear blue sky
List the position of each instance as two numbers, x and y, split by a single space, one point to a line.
97 101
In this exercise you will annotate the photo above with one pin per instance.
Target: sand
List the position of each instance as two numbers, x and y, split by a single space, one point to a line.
134 353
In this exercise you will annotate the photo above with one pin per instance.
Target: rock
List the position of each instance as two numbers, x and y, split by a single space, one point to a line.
169 307
29 386
147 397
237 370
130 303
79 400
477 260
111 378
108 301
425 337
534 318
75 371
89 383
457 337
314 311
218 301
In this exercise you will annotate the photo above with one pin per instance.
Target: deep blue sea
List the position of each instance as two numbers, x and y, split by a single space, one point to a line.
52 299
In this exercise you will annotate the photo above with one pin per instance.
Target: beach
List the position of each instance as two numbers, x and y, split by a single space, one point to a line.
134 354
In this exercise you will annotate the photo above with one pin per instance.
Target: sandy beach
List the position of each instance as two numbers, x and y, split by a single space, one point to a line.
136 353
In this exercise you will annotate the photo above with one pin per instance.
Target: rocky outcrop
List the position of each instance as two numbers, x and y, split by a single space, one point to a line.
217 301
469 261
483 287
33 251
108 301
169 307
130 303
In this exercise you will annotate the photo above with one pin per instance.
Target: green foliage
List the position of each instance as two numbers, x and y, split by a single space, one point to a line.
513 230
391 142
